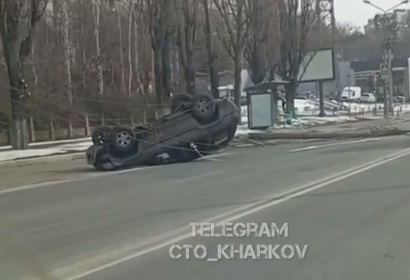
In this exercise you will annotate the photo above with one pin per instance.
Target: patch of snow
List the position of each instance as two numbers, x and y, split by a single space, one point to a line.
61 149
56 142
316 120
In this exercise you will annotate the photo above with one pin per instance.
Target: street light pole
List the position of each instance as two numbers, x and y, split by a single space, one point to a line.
388 54
391 101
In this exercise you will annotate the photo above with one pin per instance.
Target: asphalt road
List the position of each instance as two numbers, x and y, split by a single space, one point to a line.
352 214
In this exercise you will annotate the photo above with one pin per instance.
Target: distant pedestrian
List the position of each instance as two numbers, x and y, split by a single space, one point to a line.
284 105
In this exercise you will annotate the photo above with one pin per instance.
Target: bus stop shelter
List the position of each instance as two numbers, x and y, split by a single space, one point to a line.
263 104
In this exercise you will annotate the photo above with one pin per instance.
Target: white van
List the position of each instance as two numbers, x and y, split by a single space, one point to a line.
351 93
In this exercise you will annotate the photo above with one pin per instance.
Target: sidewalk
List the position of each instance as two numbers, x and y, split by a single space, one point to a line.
309 122
304 128
47 150
48 144
362 129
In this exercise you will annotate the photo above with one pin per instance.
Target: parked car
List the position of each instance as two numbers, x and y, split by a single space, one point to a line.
368 98
399 99
197 125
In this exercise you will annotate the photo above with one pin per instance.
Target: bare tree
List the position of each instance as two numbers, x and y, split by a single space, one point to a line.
260 13
214 77
296 19
67 63
168 33
76 69
96 19
186 39
142 77
131 7
234 14
119 8
18 19
160 17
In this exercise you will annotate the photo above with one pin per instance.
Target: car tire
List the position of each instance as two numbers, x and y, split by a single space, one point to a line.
100 135
181 100
204 107
123 141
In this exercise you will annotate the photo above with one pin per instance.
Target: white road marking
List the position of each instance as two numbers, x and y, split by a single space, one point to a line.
178 235
334 144
7 190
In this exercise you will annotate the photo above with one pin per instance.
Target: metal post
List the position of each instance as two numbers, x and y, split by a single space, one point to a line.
385 109
350 104
321 100
391 100
387 61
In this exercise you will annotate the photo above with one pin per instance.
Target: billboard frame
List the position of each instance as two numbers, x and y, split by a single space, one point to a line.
333 67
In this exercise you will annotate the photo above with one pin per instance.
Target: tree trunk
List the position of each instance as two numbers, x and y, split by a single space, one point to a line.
214 78
67 65
96 18
84 76
238 79
290 98
120 43
18 21
238 47
190 79
258 62
131 71
19 131
166 68
167 47
159 88
142 86
186 54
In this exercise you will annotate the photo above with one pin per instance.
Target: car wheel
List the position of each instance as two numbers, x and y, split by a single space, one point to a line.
181 100
100 135
123 140
204 107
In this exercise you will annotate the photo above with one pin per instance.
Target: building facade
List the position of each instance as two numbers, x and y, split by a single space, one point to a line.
367 76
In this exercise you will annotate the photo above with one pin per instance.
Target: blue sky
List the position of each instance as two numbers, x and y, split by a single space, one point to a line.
356 12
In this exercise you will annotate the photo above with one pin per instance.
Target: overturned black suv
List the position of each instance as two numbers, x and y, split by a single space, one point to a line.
197 125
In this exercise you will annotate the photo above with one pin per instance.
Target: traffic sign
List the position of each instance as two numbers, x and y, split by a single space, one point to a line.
384 71
384 68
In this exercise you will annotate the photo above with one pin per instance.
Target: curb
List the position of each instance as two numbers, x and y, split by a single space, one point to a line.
42 160
327 135
53 158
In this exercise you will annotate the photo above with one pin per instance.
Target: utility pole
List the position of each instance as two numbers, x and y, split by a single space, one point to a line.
335 47
388 59
391 99
388 31
325 19
386 72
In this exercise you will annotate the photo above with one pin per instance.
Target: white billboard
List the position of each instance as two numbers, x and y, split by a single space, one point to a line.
317 66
